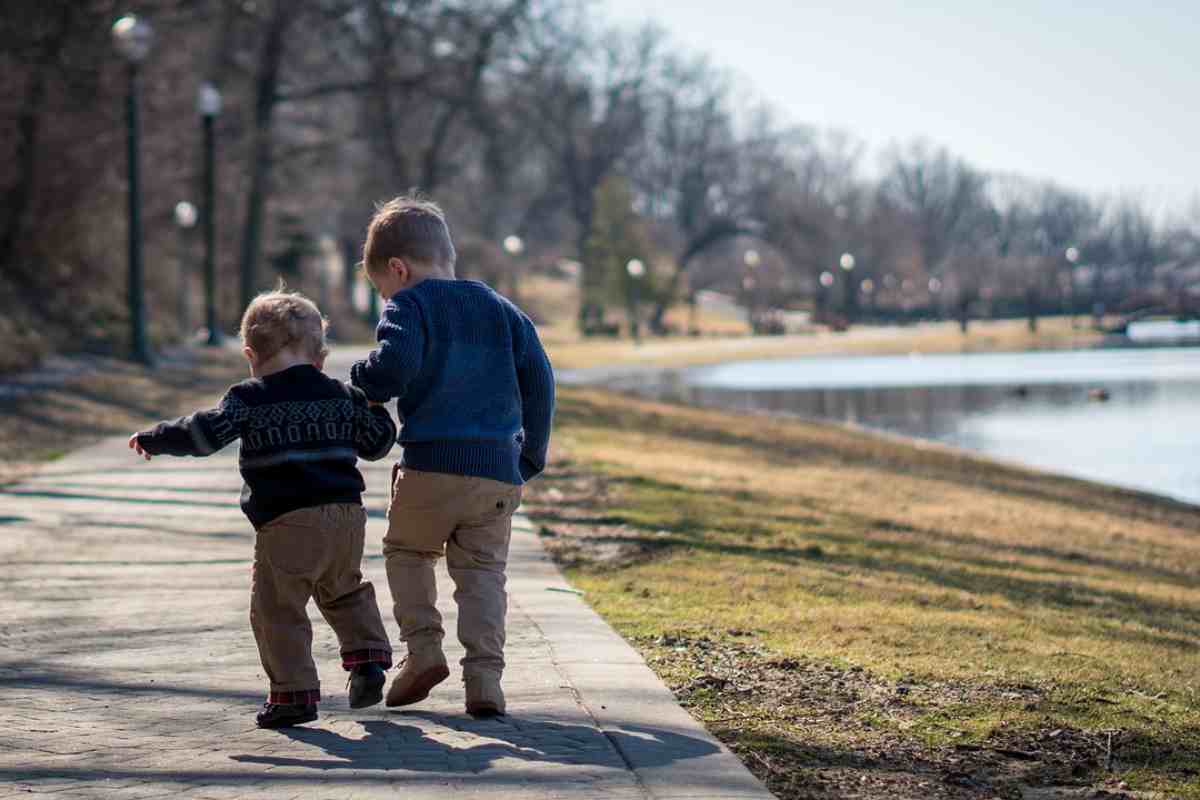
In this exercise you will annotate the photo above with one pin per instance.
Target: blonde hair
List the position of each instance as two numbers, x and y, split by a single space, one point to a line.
409 227
280 319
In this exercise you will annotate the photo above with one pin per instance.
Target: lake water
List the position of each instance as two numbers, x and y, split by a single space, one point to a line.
1130 417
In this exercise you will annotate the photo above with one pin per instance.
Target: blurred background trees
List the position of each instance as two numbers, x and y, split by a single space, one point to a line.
526 119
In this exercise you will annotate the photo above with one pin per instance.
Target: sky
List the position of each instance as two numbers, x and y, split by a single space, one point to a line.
1098 96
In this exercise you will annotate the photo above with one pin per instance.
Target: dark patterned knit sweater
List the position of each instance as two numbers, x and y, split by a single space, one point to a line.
474 389
301 433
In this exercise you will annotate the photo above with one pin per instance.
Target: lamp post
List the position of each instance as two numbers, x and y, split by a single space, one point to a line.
751 258
185 219
1072 256
846 262
208 103
867 287
514 246
132 38
636 270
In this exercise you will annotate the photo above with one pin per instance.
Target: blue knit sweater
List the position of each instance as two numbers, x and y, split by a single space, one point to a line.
474 389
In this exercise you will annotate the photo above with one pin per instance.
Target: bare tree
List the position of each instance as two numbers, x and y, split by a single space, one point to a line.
588 117
941 195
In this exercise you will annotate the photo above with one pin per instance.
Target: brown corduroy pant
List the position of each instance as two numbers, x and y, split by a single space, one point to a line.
470 521
312 553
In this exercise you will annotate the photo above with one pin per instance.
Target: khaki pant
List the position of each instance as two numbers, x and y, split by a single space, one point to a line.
312 552
470 520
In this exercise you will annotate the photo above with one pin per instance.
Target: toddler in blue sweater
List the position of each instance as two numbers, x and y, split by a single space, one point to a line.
475 393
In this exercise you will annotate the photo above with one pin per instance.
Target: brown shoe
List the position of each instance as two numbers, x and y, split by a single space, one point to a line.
421 671
485 698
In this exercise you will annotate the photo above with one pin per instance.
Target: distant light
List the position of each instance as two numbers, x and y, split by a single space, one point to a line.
133 37
513 245
569 267
185 214
827 279
935 285
443 48
752 258
1072 254
868 286
635 268
846 262
208 100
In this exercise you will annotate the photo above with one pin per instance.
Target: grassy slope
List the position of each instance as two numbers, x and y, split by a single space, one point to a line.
112 397
848 609
938 337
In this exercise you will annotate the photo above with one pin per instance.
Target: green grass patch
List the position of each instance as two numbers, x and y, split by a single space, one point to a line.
854 614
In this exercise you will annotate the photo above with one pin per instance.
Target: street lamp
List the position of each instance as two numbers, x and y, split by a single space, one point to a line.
867 287
185 219
846 262
208 104
821 300
514 246
751 258
132 38
1072 256
636 270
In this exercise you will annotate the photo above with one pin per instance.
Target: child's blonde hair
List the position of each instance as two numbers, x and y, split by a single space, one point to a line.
280 319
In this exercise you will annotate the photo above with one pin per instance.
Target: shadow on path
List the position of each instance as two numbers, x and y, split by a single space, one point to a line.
389 745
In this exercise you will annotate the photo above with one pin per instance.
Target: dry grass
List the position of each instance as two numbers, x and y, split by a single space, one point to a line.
109 397
939 337
934 613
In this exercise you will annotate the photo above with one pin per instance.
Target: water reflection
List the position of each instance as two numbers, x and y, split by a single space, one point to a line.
1065 412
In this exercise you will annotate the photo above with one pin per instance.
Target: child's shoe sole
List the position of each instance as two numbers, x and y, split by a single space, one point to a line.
484 710
272 721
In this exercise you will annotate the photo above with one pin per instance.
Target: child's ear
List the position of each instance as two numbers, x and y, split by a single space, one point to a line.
400 267
319 362
250 355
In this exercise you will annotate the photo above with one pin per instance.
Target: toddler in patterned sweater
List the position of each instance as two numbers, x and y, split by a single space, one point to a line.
301 433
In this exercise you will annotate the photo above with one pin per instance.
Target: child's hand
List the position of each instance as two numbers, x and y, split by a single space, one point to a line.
136 446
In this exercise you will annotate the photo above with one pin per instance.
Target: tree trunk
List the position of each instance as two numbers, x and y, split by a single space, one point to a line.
663 304
379 54
266 97
17 199
28 125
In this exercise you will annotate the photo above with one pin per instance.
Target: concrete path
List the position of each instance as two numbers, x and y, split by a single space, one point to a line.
128 670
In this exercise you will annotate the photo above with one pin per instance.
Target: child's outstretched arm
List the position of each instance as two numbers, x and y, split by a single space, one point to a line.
536 380
374 430
199 434
386 372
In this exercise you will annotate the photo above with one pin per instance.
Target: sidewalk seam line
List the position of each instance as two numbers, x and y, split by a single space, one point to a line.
579 695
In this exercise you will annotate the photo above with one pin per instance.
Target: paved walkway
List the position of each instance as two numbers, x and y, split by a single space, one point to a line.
128 670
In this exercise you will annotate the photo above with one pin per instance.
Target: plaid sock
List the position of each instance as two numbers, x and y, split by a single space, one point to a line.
353 658
303 697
